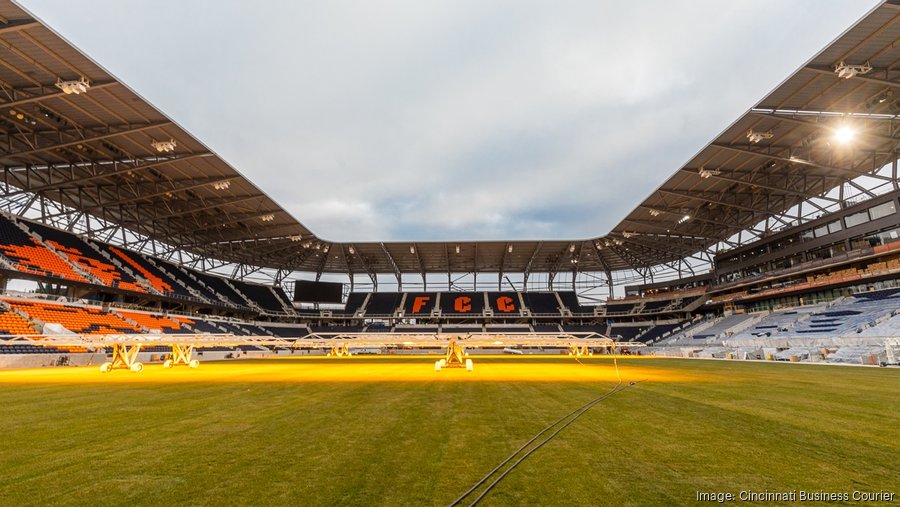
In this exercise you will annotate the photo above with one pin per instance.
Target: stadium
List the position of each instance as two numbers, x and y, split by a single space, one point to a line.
170 334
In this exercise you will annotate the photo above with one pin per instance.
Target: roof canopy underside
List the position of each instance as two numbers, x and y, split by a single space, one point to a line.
94 153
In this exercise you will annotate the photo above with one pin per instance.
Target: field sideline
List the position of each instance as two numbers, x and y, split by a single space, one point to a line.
391 431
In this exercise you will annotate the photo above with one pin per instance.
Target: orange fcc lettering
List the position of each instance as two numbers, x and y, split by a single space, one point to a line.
420 303
505 304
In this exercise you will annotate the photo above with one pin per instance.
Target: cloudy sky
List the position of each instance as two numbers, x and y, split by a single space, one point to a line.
430 120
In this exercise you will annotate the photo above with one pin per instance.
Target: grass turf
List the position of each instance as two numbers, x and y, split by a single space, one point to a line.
379 431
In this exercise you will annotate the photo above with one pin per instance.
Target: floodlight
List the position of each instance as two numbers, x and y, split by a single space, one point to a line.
756 137
845 71
706 173
267 218
844 134
76 86
221 185
164 146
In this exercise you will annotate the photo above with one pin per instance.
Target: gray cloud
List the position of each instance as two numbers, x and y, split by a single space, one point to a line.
453 120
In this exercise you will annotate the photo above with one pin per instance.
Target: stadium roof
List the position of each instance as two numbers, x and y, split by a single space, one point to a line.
98 153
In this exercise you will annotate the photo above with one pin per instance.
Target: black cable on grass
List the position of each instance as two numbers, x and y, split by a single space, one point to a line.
572 416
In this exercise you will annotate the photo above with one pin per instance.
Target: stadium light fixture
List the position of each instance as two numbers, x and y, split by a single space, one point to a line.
706 173
655 212
572 248
412 250
756 137
76 86
296 238
221 185
267 218
627 234
164 146
351 250
684 219
845 71
509 249
457 248
844 134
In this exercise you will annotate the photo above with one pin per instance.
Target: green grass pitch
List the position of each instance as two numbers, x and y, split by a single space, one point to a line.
234 440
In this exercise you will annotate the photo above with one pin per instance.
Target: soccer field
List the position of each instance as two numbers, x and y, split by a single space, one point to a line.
392 431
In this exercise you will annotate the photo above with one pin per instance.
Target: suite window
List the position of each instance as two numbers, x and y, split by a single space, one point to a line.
882 210
856 219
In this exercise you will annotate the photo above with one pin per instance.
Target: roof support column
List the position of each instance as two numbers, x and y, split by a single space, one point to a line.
894 171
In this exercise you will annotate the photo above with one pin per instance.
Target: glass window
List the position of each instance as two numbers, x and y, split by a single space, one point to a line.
806 235
834 226
856 219
882 210
821 231
822 253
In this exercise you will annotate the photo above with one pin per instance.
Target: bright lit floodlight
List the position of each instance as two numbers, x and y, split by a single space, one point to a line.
844 134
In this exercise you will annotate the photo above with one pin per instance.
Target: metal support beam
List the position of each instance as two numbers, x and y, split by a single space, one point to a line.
393 265
77 181
112 131
32 97
867 78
